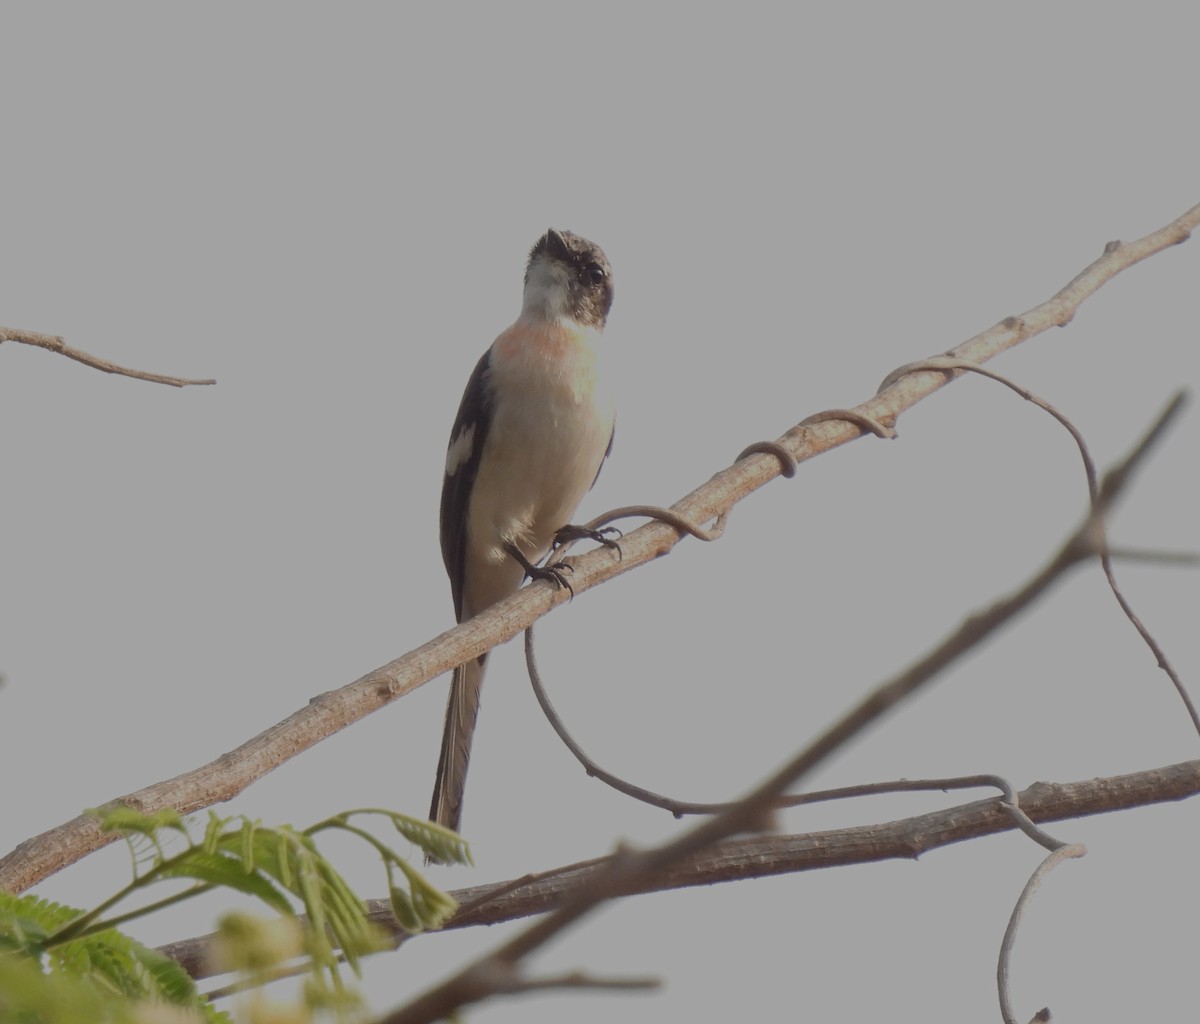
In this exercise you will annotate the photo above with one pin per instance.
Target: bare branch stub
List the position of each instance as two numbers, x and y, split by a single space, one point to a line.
55 343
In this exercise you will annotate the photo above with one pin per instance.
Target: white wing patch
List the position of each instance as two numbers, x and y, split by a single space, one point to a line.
460 450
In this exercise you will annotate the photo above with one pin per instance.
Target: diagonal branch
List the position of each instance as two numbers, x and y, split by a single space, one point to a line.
222 779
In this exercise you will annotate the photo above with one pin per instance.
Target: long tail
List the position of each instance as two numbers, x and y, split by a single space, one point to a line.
461 712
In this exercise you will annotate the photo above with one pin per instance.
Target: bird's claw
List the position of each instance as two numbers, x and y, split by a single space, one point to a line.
556 572
605 536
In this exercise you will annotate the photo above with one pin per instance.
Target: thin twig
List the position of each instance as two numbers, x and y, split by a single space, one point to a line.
1106 554
578 980
54 343
680 808
949 363
1156 648
676 807
1010 933
40 856
1149 557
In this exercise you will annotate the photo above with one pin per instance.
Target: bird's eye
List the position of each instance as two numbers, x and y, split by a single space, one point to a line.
595 272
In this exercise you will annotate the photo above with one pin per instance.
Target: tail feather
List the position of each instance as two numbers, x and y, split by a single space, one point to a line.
461 712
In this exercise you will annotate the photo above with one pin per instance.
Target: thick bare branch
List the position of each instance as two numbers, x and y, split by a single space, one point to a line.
763 856
227 776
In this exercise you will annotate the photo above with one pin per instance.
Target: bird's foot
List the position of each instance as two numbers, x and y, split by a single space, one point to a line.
554 571
606 537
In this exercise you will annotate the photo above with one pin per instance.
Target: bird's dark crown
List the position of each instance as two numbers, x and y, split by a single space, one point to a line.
589 275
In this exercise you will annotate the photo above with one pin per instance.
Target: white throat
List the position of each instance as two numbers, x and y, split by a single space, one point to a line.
547 290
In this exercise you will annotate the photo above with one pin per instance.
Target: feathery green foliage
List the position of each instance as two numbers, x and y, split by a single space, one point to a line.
100 977
61 964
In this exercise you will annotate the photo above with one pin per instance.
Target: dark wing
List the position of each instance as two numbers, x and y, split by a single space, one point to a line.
470 431
607 452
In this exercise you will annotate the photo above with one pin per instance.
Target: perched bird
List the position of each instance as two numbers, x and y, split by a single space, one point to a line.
531 434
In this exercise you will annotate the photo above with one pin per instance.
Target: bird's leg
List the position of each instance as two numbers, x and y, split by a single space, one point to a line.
605 537
555 571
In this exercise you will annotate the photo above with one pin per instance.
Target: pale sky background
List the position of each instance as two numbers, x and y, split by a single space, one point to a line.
328 210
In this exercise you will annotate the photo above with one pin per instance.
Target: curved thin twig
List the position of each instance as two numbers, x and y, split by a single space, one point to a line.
868 423
668 516
676 807
680 808
1010 933
950 363
1155 648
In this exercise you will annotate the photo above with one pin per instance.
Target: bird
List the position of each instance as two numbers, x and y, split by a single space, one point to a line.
533 430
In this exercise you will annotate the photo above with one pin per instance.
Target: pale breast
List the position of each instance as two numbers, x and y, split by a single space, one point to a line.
550 429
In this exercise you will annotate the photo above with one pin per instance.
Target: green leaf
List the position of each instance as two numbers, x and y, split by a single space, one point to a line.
95 978
435 906
247 845
30 996
119 818
212 831
276 865
439 843
432 906
20 934
223 869
403 911
27 921
254 946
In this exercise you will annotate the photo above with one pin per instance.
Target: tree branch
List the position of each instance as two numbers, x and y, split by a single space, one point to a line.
54 343
768 855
